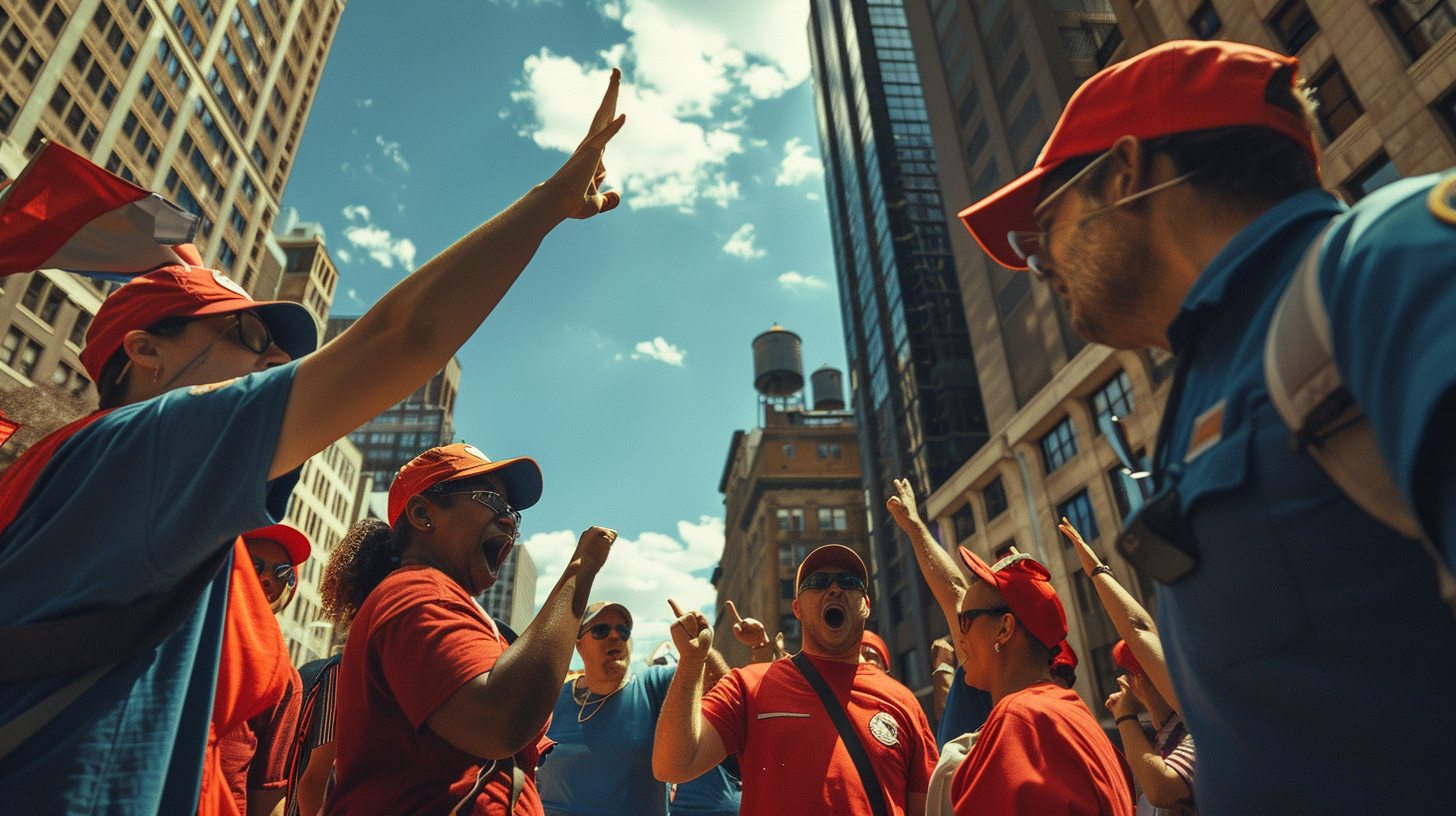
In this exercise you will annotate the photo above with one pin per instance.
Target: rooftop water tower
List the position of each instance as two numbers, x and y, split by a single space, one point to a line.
778 368
828 384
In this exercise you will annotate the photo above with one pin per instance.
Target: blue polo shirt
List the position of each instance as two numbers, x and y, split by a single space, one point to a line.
124 510
1313 656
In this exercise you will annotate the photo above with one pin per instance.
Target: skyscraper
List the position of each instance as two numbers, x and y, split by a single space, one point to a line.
915 393
202 101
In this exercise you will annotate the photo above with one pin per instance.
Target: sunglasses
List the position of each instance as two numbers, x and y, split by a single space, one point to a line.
966 617
822 580
253 333
497 504
601 630
283 572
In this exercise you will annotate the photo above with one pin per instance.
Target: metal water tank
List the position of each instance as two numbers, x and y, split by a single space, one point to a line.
828 384
778 370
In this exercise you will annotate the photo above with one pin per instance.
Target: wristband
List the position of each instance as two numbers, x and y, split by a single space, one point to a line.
1101 569
1124 718
765 645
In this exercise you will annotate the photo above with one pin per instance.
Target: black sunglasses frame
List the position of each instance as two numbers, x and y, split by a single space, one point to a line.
283 572
967 617
846 581
601 630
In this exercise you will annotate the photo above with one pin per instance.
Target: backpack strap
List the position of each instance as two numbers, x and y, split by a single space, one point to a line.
847 734
1310 397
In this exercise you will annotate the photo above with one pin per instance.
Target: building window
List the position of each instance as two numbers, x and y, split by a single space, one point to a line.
1293 25
78 328
51 306
1078 510
964 522
995 498
19 351
1005 549
9 108
1419 23
1337 108
788 451
33 292
791 519
73 381
1205 21
1115 398
1059 445
833 518
829 452
1377 173
1125 486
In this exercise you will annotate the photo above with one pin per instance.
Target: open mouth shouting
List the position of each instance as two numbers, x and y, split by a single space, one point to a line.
835 615
495 549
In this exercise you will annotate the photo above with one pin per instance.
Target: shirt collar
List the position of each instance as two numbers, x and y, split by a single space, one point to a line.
1230 266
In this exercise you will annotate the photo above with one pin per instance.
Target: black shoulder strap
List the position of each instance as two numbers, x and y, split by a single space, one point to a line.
852 742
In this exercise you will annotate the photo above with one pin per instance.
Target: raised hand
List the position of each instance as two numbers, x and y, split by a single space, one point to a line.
578 183
594 546
902 506
748 630
691 633
1090 561
1122 702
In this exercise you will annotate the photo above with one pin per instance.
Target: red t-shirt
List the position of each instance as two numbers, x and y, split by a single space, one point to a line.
255 754
1041 751
791 756
418 638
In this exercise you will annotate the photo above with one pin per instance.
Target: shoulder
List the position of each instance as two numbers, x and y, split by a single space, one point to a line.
1411 214
414 590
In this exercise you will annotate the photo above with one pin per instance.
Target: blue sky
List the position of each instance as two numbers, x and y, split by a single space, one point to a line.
621 360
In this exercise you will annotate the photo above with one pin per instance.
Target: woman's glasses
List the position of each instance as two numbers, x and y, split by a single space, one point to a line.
966 617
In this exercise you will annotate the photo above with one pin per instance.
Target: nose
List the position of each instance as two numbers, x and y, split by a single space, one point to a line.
274 356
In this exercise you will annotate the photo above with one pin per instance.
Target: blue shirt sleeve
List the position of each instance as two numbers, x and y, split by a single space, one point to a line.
1387 275
144 495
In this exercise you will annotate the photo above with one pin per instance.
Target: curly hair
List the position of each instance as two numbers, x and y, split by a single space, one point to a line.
366 555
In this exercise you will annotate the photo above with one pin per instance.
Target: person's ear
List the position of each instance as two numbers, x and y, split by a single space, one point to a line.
143 353
796 609
417 513
1124 172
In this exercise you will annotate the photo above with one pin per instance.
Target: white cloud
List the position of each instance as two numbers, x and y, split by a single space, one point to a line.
391 150
641 574
740 244
380 244
794 282
363 103
691 70
659 349
812 196
798 165
343 255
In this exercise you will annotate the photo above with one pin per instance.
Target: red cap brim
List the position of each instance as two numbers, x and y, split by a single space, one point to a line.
979 567
1006 210
293 541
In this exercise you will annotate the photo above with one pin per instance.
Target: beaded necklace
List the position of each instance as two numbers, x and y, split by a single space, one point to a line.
584 700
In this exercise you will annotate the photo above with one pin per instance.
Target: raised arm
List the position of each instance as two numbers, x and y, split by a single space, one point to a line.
686 746
413 330
498 713
945 579
1133 623
1161 784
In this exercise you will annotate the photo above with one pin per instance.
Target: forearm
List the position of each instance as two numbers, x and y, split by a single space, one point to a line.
412 331
1162 785
679 725
715 669
940 690
315 778
766 653
1135 626
943 577
521 690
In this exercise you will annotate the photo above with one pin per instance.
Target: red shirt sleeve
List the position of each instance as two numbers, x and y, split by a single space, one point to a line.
274 730
725 707
922 763
429 642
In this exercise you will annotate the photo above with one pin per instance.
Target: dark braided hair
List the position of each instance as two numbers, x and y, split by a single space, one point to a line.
369 552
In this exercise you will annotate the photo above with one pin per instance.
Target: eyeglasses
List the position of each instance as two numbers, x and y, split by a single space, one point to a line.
283 572
822 580
1031 246
966 617
253 333
497 504
601 630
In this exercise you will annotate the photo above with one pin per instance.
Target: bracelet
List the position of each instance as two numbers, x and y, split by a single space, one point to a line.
766 644
1124 718
1101 569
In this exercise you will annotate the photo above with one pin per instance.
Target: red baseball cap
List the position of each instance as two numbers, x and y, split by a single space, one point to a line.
877 643
1176 87
1026 586
1122 656
188 291
295 542
1066 657
832 555
522 476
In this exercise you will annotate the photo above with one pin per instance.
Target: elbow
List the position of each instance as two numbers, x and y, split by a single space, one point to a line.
1166 793
666 771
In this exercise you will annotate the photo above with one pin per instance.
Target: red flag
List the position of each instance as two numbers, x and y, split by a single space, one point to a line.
63 212
8 427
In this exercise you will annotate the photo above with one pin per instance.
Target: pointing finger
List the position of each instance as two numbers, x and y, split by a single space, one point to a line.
734 610
676 610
